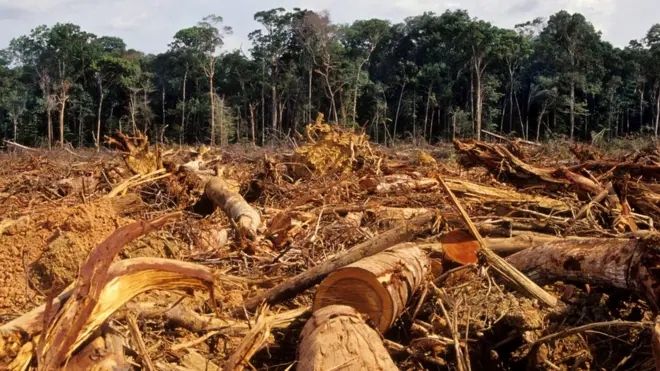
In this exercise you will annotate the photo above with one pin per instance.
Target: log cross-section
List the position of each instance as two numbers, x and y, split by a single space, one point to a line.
379 286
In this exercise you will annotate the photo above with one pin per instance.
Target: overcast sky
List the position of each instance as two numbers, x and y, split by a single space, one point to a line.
148 25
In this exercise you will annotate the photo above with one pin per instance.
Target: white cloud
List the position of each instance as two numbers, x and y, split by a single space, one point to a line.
149 25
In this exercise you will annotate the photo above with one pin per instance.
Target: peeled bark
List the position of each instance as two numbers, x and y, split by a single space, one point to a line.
234 205
624 263
379 286
336 337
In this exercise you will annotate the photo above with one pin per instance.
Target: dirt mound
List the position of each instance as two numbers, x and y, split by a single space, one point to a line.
51 245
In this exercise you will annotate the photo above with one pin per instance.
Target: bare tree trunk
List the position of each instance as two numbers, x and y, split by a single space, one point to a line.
133 109
49 114
98 120
641 107
309 96
479 104
503 113
426 112
163 106
511 99
210 74
398 109
572 107
376 122
472 97
263 103
15 121
657 109
274 94
221 123
415 116
274 108
538 124
519 116
431 125
357 84
183 106
254 142
64 96
343 106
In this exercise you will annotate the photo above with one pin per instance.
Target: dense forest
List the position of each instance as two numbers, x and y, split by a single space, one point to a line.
431 78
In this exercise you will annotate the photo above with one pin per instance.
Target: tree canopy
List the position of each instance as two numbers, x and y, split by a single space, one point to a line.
430 78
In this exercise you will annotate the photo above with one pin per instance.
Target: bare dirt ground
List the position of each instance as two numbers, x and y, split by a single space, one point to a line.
316 203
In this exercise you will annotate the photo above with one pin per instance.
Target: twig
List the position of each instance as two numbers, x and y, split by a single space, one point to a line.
192 343
137 338
591 326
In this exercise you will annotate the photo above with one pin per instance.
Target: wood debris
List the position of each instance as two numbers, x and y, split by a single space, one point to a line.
338 255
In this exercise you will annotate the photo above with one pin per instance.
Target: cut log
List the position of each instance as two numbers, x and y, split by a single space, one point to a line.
379 286
401 183
624 263
368 248
234 206
337 338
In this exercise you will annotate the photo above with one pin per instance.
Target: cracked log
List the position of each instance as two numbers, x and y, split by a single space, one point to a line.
379 286
336 337
624 263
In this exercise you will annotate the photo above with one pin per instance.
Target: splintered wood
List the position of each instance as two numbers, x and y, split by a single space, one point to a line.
340 255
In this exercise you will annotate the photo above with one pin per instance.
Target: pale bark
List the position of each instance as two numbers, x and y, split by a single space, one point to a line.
251 106
98 119
398 109
210 73
337 338
379 286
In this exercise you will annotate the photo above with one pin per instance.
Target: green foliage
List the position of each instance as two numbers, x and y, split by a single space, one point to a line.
432 76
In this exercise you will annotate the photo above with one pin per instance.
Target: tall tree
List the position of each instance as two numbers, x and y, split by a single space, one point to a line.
203 41
567 41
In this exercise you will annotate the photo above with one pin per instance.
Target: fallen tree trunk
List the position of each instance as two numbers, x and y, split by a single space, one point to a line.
401 183
336 338
379 286
624 263
234 206
368 248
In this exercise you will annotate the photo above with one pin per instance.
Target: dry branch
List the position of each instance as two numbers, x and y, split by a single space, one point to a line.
500 264
368 248
337 338
379 286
